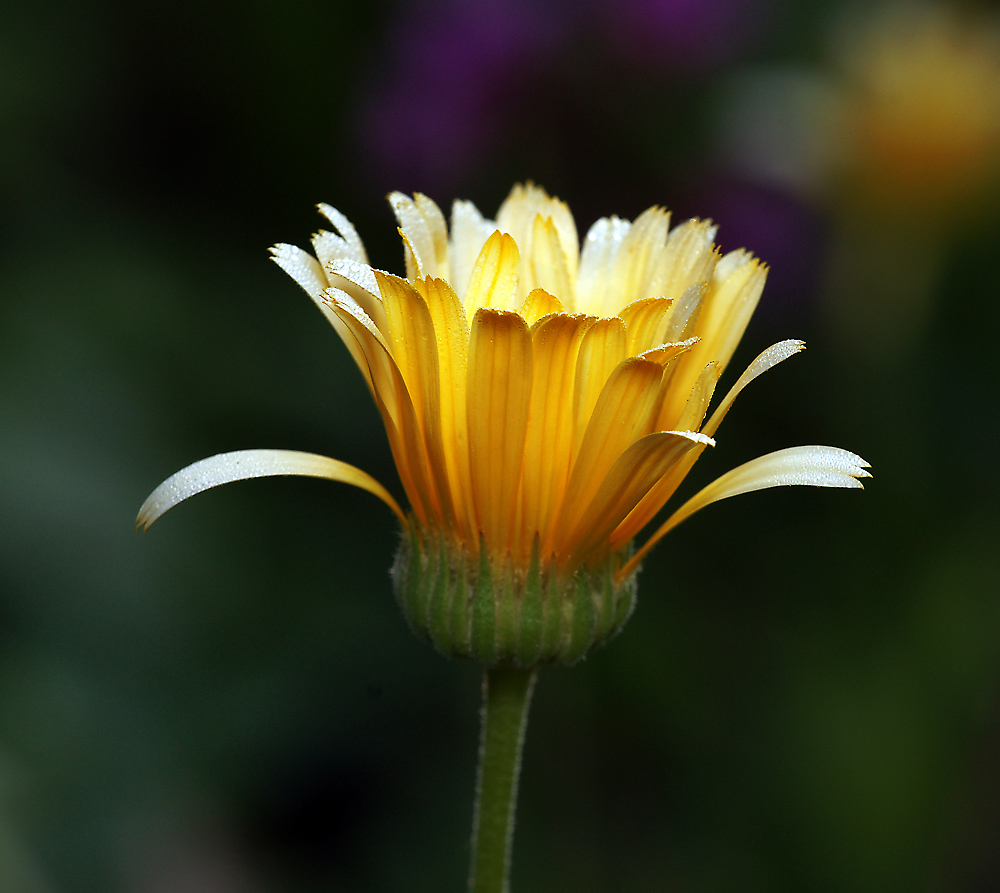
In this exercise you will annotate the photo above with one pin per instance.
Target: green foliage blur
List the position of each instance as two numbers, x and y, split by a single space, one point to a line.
808 695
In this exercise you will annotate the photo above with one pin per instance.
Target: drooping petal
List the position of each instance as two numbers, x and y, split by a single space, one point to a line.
624 412
244 464
499 393
776 353
629 479
306 271
812 466
691 415
394 405
413 343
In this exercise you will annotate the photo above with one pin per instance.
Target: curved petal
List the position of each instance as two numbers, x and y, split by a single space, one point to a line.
307 272
624 413
347 232
776 353
244 464
634 472
812 466
691 415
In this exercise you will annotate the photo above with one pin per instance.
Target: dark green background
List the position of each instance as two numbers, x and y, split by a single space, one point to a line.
808 695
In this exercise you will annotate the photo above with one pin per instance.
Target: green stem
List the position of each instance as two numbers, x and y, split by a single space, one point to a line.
506 695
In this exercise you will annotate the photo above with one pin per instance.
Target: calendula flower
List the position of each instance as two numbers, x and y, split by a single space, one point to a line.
542 402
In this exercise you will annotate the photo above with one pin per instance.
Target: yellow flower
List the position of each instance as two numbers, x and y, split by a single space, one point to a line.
920 108
542 403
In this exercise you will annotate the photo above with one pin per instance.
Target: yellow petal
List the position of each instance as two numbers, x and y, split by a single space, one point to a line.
595 289
494 279
306 271
539 303
548 447
439 232
601 352
687 258
519 213
634 472
813 466
725 311
358 280
413 343
425 234
623 413
244 464
452 334
645 322
469 232
637 261
545 264
395 406
499 392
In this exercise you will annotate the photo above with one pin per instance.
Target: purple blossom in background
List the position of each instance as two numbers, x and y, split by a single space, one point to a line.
444 96
688 34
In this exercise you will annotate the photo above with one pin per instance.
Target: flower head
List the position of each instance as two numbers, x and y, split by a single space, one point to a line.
542 402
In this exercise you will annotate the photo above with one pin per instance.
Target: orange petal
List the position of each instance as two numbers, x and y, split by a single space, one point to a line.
452 337
412 340
548 447
601 352
634 472
394 405
499 393
624 413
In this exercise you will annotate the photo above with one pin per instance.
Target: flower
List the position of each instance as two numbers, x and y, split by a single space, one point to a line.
920 107
542 403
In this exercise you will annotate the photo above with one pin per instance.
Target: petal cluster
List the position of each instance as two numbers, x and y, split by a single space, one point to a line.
536 393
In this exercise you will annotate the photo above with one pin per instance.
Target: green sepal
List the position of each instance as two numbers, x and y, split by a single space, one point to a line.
471 605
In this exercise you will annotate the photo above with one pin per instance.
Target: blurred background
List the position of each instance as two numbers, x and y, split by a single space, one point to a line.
808 695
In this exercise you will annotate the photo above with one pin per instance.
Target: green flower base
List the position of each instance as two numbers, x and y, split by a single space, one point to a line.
466 606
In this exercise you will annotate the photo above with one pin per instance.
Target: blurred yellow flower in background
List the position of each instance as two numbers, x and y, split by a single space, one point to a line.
542 402
920 108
